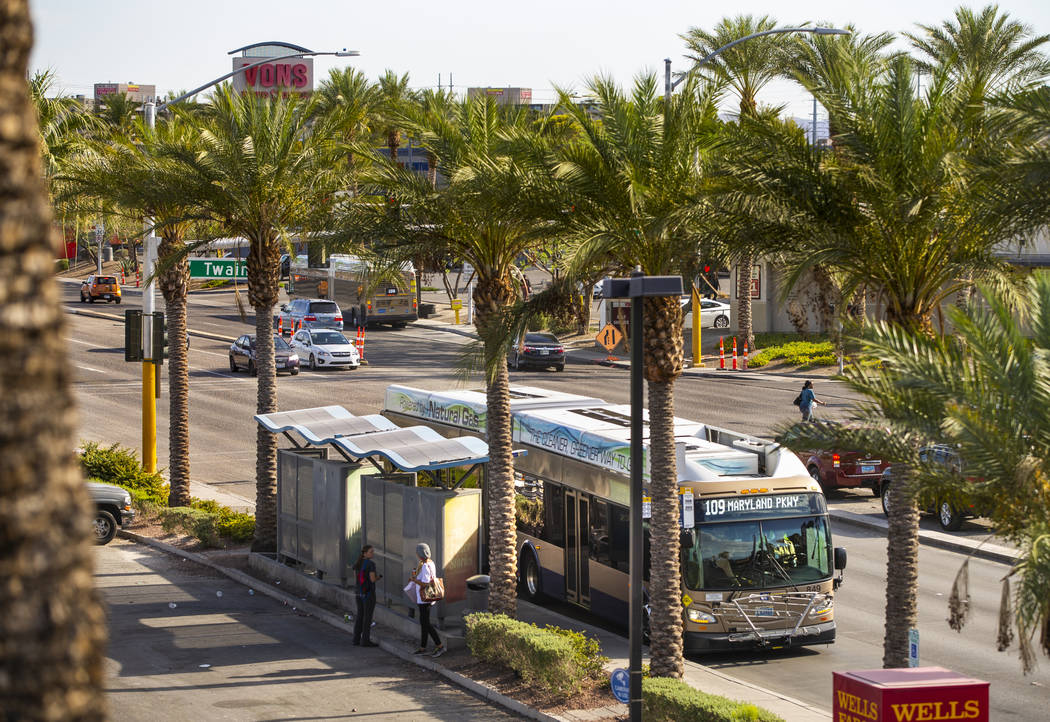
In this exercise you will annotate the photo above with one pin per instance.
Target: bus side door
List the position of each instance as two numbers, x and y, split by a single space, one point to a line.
577 548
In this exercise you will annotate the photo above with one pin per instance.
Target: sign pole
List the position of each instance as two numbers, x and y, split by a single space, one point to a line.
149 371
636 530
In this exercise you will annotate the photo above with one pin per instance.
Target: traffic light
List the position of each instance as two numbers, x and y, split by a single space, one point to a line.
132 335
160 338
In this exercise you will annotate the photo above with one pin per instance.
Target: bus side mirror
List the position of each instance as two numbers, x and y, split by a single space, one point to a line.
840 558
687 538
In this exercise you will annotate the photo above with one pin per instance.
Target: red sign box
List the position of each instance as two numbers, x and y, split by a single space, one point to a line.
918 694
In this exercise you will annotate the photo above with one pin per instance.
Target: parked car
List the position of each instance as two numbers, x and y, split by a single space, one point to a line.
845 470
324 348
950 516
242 355
713 314
112 509
311 313
540 350
105 288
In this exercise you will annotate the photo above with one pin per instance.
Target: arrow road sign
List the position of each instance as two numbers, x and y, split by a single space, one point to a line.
609 337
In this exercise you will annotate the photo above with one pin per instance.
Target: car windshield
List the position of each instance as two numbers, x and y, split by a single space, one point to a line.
540 338
758 554
280 344
323 307
329 338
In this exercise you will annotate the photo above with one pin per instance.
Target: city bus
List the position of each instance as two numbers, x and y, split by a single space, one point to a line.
365 297
758 565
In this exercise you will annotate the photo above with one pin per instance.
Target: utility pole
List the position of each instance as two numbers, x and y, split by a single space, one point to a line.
100 234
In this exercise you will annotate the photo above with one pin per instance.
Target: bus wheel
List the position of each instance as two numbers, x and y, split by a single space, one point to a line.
530 577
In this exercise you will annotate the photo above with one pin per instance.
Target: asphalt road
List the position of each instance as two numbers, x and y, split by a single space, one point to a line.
189 644
223 454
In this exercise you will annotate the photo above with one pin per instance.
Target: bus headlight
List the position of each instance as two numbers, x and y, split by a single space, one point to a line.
819 610
695 615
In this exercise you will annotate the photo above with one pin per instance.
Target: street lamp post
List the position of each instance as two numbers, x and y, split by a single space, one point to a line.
149 260
637 288
670 85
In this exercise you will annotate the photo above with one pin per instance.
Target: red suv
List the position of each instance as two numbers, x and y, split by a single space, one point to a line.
846 469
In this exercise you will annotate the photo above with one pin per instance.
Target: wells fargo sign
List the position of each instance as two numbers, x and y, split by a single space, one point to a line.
917 694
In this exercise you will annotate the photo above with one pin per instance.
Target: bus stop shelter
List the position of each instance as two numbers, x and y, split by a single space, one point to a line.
328 508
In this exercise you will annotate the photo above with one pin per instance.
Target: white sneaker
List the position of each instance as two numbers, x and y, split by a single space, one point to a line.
439 651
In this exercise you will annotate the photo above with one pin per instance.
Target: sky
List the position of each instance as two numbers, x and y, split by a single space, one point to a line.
540 44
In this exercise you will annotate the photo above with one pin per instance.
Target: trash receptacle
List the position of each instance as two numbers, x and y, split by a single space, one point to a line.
478 593
107 253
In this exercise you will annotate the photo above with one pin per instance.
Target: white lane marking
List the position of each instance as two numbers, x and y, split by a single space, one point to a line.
210 353
86 343
88 368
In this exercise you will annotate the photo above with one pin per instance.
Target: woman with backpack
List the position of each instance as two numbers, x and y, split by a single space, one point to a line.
806 399
425 573
366 596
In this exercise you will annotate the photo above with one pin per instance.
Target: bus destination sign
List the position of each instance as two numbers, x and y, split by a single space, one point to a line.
758 506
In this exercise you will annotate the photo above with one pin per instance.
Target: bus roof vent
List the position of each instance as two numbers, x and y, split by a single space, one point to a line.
607 415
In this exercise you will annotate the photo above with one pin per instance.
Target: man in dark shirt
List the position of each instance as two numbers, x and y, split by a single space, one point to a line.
366 597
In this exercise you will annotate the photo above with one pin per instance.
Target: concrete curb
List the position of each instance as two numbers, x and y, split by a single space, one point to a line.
990 552
297 603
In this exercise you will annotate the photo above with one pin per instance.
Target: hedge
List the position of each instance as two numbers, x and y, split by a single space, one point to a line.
556 660
119 465
670 700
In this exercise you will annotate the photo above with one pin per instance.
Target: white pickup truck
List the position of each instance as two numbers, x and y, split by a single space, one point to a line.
112 509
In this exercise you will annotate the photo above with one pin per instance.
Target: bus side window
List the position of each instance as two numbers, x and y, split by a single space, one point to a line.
599 530
619 537
554 513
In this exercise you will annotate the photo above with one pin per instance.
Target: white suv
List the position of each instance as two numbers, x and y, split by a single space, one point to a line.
310 313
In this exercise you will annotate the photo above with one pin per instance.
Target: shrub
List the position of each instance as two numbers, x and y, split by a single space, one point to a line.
196 522
62 264
538 322
670 700
237 526
556 660
118 465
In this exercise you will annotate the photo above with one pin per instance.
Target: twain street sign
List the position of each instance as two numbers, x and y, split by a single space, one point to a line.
218 268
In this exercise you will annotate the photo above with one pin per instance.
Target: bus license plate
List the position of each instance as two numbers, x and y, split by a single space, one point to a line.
764 612
867 469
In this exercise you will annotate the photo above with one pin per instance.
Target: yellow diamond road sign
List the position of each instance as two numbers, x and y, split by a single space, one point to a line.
686 600
609 337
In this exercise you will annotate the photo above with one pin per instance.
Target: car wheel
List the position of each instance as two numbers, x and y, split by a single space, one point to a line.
814 471
722 321
233 366
294 372
886 498
252 371
531 585
105 527
559 367
117 301
82 299
313 364
91 299
949 517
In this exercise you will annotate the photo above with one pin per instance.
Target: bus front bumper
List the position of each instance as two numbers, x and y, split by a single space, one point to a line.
696 642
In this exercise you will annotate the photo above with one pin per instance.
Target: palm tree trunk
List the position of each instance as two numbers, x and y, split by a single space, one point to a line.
263 274
174 284
52 627
743 294
490 297
664 359
902 572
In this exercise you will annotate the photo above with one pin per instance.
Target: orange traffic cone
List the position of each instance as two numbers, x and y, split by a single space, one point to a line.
745 355
361 351
138 279
734 353
721 354
280 325
122 277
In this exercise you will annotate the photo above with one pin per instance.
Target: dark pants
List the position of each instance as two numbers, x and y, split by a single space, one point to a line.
425 629
366 607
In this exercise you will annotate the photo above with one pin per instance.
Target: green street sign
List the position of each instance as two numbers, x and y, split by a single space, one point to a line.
218 268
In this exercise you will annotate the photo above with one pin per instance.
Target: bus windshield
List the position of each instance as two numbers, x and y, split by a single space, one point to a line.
758 554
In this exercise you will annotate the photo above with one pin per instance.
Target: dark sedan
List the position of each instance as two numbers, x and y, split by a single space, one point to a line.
539 350
242 355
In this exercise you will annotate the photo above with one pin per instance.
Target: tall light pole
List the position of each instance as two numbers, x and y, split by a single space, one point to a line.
149 369
669 86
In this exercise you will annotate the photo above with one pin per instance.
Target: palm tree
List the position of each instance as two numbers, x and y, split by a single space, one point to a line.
51 619
633 176
140 179
395 95
484 215
118 114
984 390
745 69
260 171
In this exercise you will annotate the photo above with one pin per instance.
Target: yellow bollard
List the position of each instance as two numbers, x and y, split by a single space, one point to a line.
456 305
697 357
149 417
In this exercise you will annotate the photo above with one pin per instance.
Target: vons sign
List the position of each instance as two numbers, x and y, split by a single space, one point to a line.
294 75
917 694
